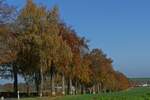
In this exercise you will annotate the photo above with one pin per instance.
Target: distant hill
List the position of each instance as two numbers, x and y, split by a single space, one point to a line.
139 79
136 82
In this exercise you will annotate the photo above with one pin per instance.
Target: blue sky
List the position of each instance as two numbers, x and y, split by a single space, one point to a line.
120 27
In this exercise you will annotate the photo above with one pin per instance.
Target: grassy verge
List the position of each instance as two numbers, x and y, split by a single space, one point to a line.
132 94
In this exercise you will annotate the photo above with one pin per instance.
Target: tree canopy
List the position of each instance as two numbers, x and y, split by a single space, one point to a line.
42 47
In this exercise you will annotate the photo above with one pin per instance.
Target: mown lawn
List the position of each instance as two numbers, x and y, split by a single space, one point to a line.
131 94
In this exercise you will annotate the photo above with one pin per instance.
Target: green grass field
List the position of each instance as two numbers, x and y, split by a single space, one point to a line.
131 94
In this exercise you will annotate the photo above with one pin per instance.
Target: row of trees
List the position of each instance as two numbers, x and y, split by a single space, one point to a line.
41 48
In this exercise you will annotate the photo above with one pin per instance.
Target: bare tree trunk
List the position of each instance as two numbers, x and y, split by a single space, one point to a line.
63 84
53 70
94 89
41 85
98 88
70 85
53 85
57 87
90 89
37 82
28 88
76 87
82 89
80 86
15 79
